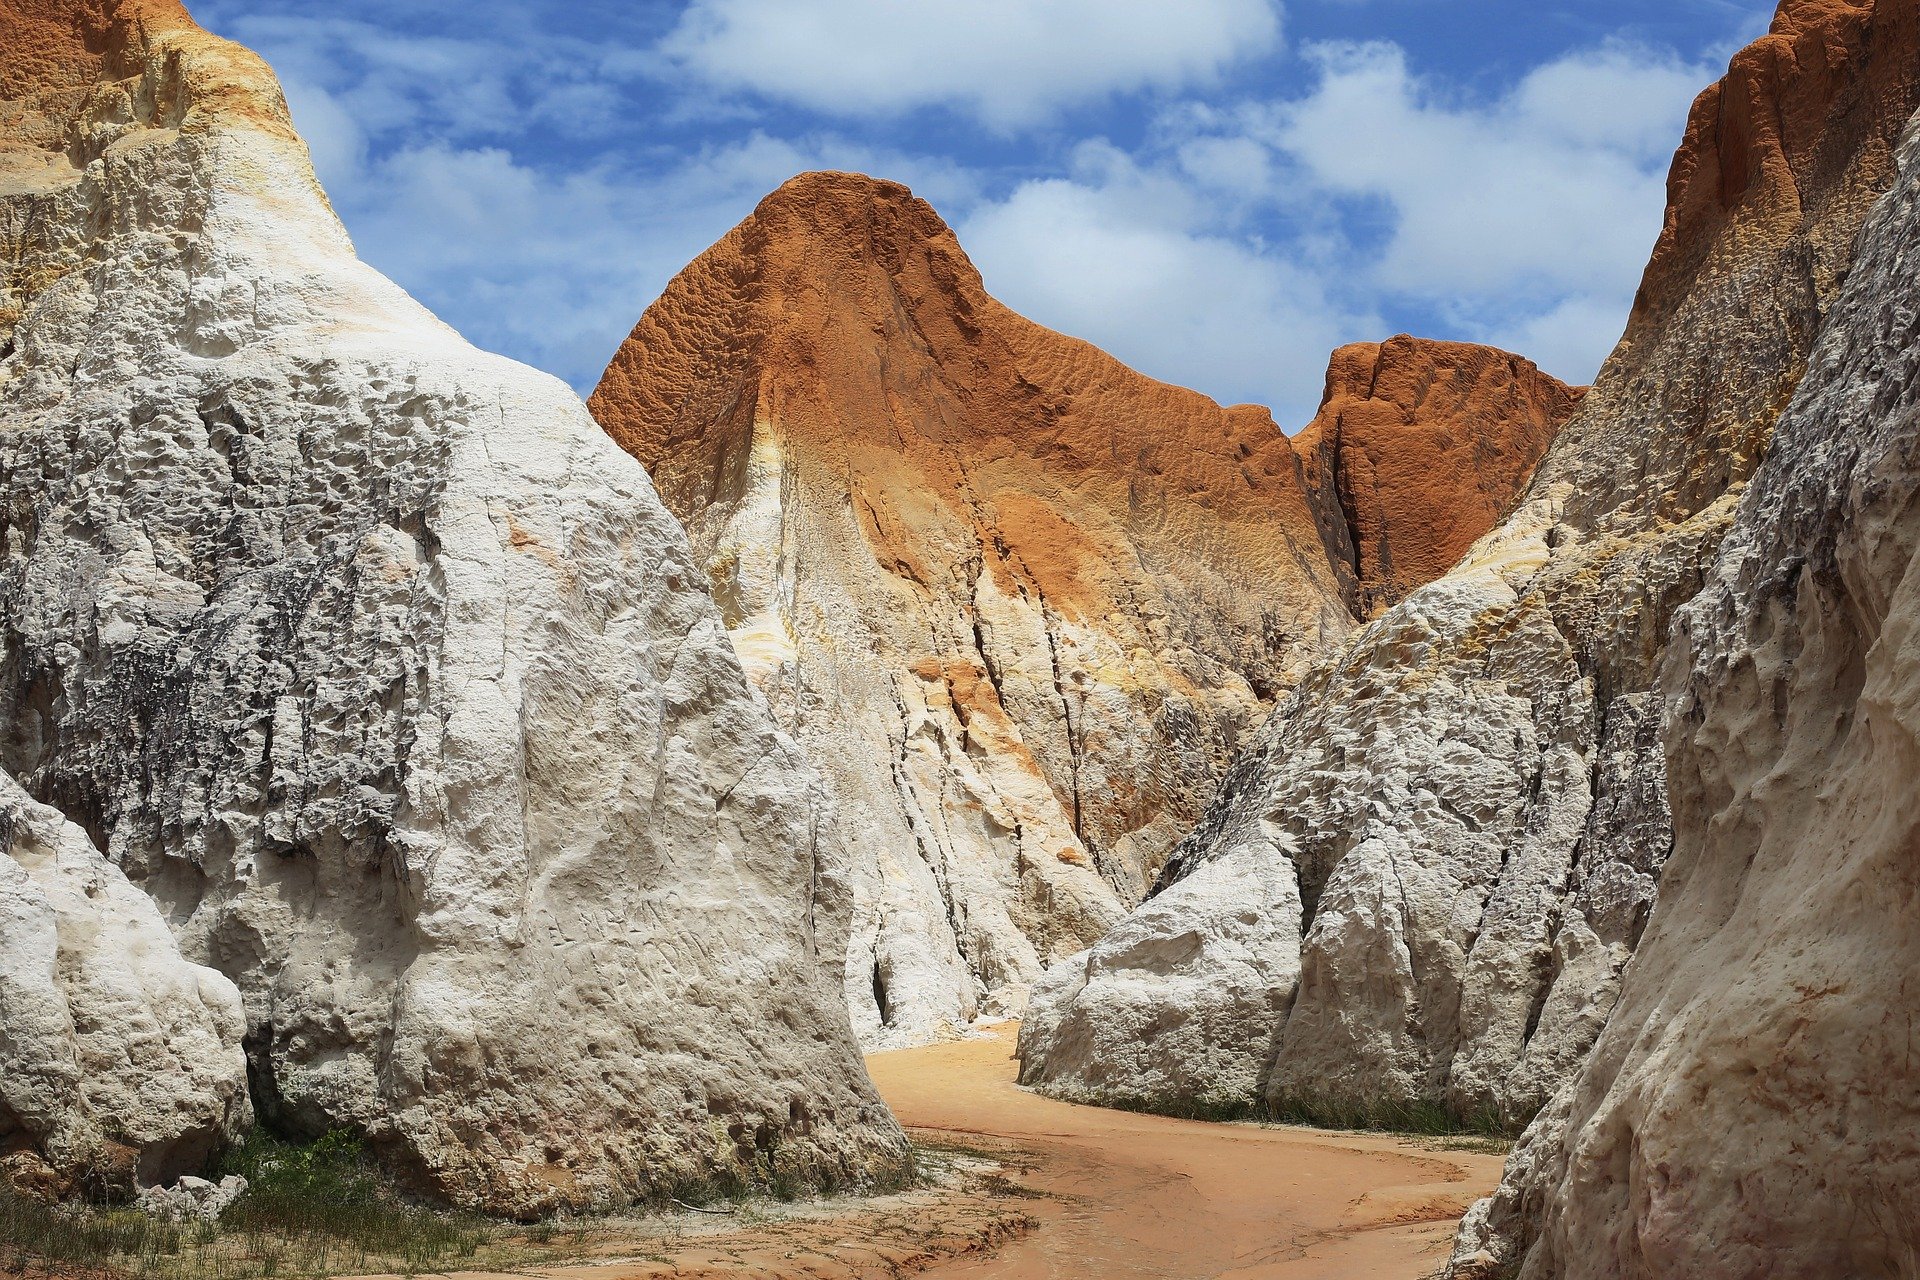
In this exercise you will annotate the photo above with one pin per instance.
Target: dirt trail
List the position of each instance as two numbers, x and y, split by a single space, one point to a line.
1084 1194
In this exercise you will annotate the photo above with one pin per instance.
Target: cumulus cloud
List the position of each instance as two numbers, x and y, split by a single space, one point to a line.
1528 217
1129 258
1241 242
1008 62
1540 189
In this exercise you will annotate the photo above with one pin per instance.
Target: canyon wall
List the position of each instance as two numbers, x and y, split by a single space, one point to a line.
1019 602
1470 797
1750 1109
390 683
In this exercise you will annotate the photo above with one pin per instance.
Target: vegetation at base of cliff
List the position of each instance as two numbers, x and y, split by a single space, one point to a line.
326 1208
309 1209
1415 1118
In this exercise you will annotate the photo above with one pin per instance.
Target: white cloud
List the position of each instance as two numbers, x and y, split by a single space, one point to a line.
1244 241
493 84
1128 259
538 189
1557 186
1529 217
1009 62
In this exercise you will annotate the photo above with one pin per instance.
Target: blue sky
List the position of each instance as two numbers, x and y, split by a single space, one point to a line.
1217 191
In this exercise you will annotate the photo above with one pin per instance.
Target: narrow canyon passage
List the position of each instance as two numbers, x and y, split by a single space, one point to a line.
1137 1196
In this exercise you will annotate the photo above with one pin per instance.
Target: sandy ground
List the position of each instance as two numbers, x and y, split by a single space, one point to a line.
1144 1196
1033 1189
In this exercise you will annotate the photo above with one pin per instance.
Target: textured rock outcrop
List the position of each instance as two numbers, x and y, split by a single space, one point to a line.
1472 793
119 1060
1019 602
384 673
1751 1109
1423 446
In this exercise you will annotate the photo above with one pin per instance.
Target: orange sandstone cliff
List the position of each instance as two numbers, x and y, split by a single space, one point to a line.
1019 601
1423 445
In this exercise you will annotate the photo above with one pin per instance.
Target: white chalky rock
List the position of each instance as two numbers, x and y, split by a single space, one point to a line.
377 665
193 1199
1473 792
119 1060
1752 1109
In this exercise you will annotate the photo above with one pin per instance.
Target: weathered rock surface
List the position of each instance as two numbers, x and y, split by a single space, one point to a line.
1019 602
1424 446
119 1060
1751 1109
1472 793
192 1199
384 673
1158 1011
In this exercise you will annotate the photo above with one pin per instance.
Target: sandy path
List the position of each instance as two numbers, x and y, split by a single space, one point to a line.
1134 1195
1080 1194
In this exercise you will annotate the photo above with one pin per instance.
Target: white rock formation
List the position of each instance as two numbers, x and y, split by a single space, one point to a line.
119 1061
1167 1012
384 672
192 1199
1752 1108
1472 793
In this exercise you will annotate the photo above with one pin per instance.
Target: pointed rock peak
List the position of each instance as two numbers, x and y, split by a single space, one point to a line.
838 283
829 200
1419 448
845 213
1760 143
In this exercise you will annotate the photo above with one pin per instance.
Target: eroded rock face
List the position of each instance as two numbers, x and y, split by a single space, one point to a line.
120 1062
1751 1108
1424 445
1019 602
1472 792
384 673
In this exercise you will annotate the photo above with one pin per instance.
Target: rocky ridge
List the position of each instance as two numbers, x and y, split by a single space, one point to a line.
1471 796
1019 602
381 677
